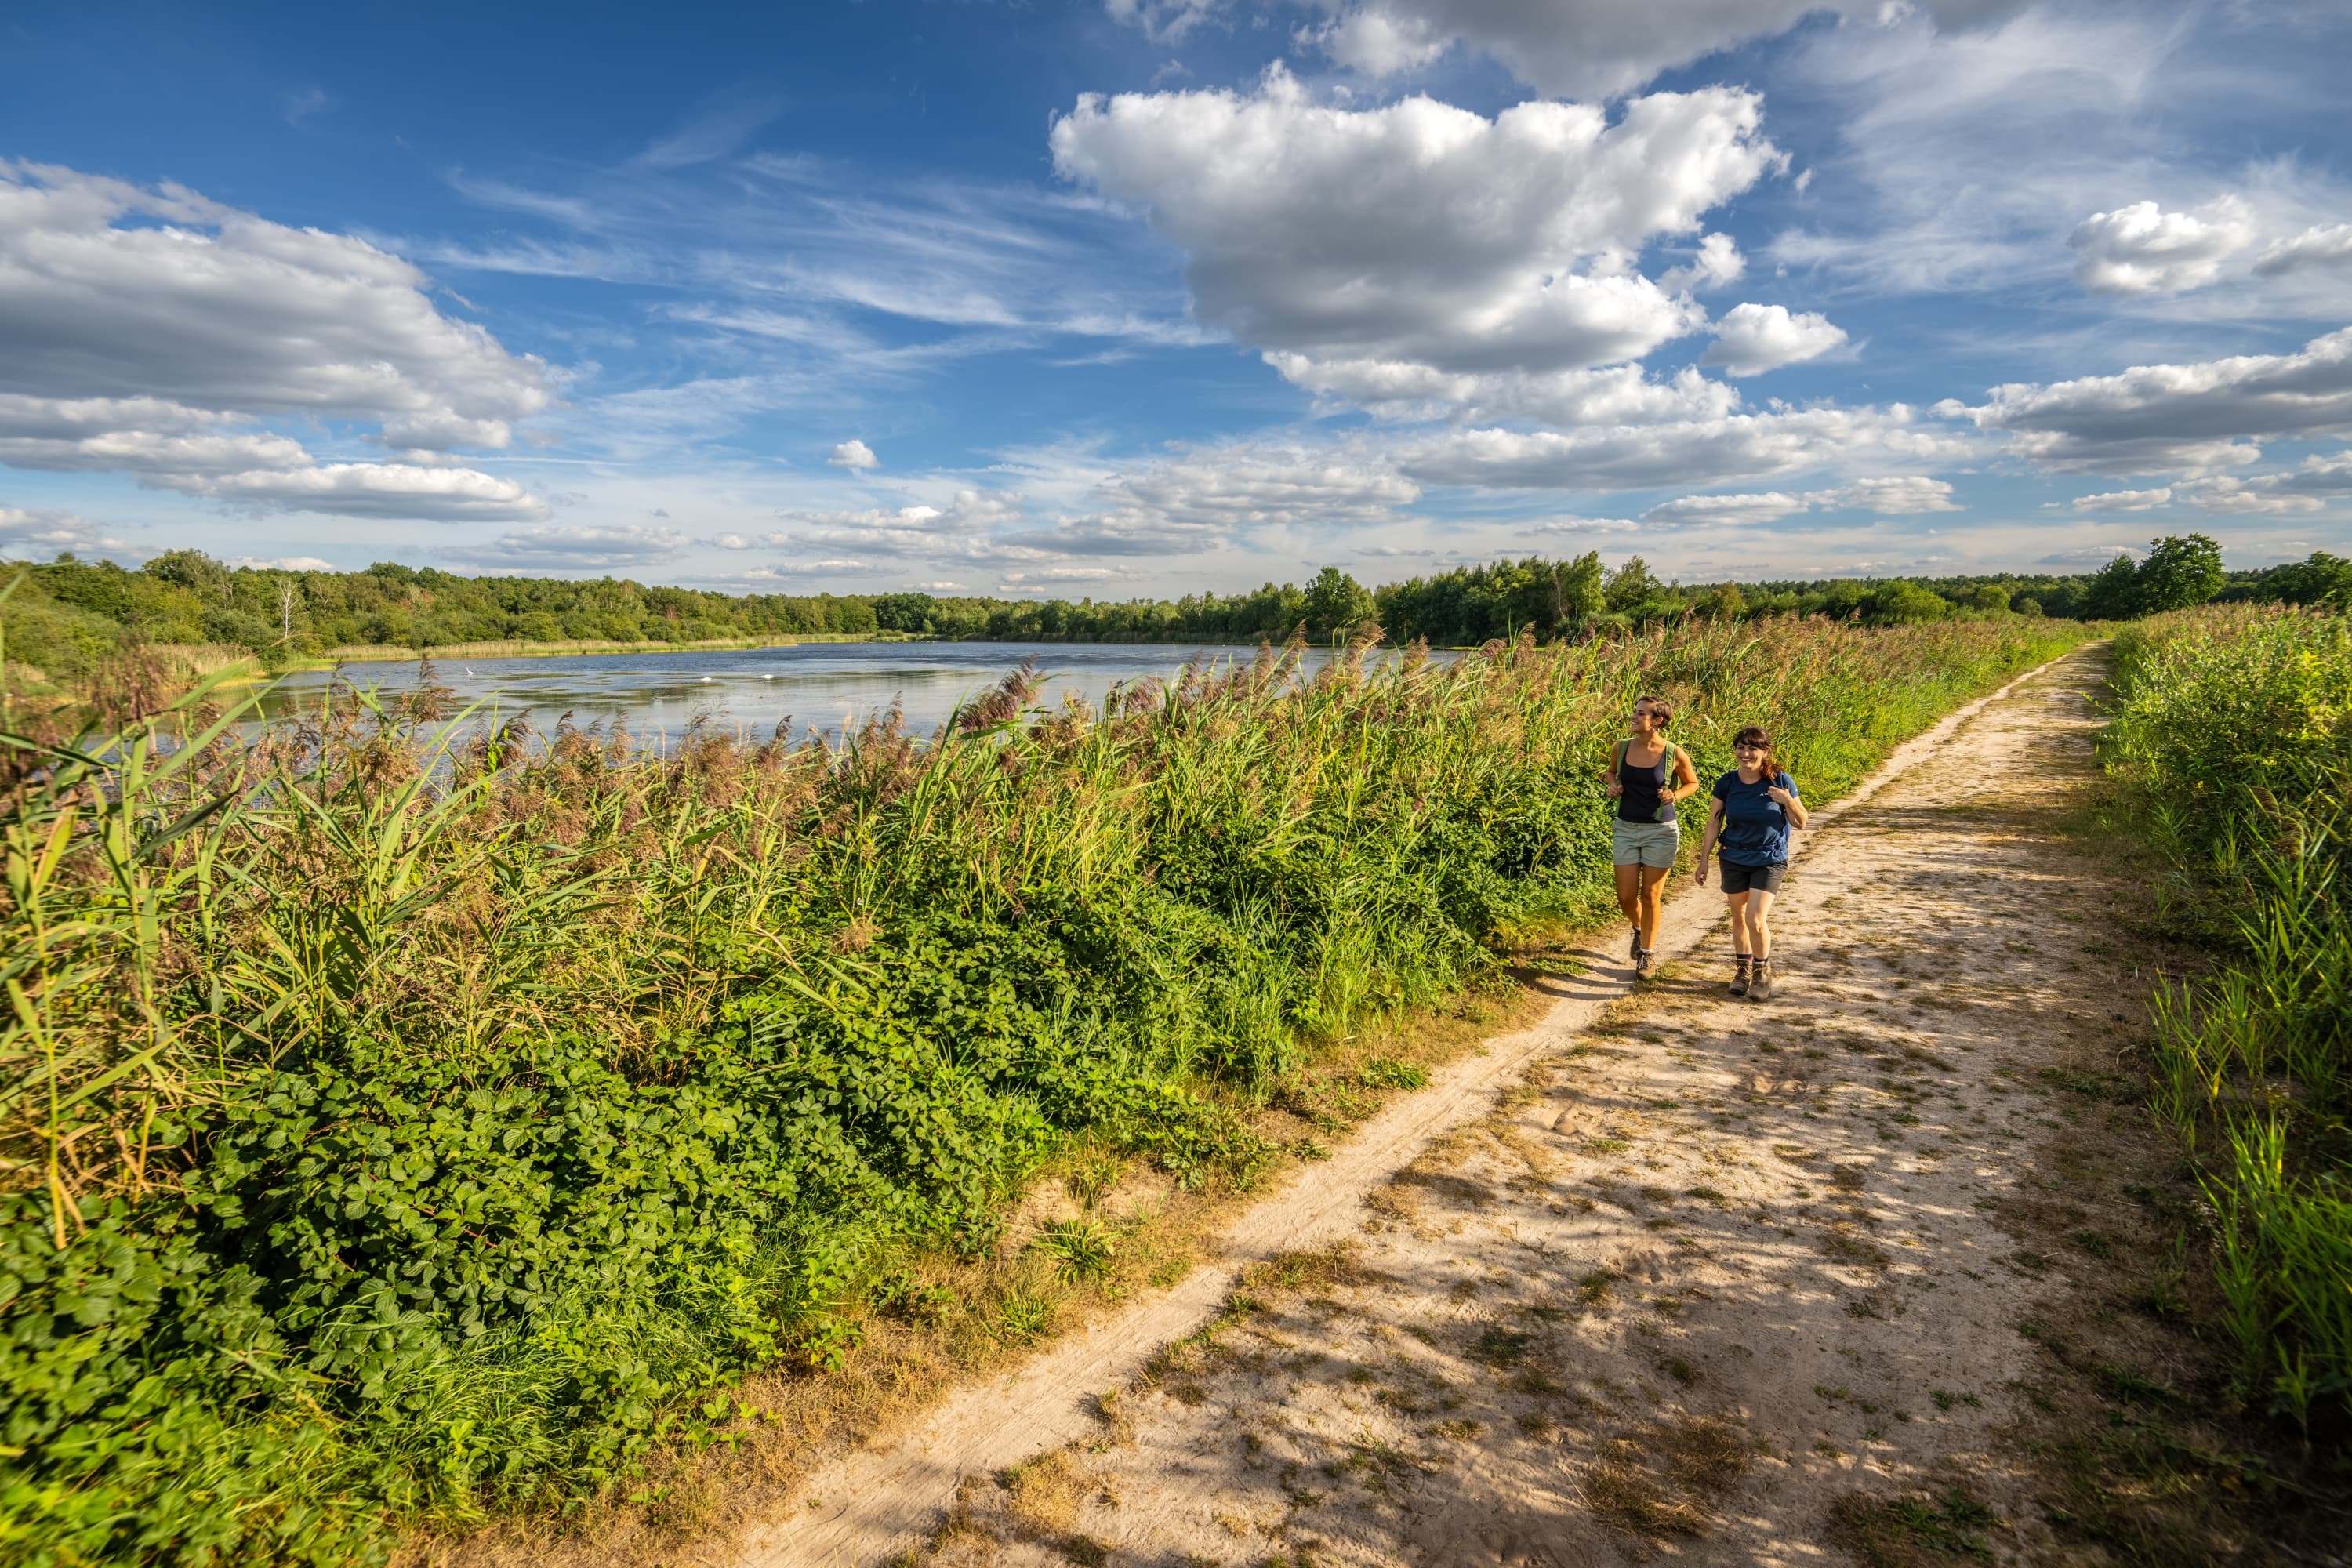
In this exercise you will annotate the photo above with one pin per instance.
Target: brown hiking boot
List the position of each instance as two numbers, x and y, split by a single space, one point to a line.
1746 970
1759 989
1646 964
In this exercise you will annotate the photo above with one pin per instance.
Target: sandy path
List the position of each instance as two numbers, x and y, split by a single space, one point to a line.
1703 1268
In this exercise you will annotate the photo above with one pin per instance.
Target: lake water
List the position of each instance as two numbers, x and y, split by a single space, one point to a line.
822 686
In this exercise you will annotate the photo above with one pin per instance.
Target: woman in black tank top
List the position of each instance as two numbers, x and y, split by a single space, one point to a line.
1648 774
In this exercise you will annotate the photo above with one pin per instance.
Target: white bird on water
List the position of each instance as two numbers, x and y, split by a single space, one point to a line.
706 680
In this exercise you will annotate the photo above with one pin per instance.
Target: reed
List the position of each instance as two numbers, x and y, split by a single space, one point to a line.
2234 728
396 1134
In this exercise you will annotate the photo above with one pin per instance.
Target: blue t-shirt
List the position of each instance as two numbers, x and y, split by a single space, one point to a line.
1755 825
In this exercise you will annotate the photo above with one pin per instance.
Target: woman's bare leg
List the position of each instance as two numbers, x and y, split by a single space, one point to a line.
1629 894
1737 902
1653 879
1757 919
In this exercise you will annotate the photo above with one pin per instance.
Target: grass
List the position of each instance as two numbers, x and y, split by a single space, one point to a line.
398 1138
2233 731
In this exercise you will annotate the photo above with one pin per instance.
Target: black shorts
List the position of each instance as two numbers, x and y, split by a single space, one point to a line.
1757 878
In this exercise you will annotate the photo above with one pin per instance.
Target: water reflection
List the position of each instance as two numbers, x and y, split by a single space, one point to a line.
827 687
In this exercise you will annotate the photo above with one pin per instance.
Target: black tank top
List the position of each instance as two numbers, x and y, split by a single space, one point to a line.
1643 786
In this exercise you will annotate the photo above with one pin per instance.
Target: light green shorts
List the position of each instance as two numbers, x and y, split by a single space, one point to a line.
1645 844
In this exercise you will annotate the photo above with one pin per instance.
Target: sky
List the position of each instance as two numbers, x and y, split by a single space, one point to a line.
1123 297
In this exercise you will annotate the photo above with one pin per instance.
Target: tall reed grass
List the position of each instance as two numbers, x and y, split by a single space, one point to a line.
394 1135
2234 726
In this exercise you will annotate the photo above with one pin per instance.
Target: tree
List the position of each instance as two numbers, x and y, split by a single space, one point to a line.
1630 586
1990 597
1576 589
2112 594
1902 603
1336 603
2179 572
2322 579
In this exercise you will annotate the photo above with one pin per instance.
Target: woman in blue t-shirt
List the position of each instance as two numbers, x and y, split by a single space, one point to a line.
1756 805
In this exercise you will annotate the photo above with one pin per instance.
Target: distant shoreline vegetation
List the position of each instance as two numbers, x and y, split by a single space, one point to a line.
66 617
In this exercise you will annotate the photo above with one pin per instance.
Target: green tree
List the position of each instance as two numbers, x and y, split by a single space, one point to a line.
1902 603
1990 597
2322 579
1630 586
2112 594
1336 603
2179 572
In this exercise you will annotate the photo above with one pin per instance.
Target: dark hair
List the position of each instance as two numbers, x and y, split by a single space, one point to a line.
1662 712
1756 735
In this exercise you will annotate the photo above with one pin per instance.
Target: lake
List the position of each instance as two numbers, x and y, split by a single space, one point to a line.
655 694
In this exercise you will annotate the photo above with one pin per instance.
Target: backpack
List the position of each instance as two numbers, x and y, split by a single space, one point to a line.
1673 752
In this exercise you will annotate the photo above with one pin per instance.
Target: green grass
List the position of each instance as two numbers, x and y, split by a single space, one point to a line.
395 1137
2232 729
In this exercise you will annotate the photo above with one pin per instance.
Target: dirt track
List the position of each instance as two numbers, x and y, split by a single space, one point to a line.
1702 1279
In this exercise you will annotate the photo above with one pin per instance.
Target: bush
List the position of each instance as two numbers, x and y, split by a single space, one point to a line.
2234 727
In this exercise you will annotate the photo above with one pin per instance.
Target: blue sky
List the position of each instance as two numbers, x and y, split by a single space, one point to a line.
1119 297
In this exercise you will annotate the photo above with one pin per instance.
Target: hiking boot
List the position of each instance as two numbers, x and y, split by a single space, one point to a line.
1633 951
1746 970
1759 989
1645 963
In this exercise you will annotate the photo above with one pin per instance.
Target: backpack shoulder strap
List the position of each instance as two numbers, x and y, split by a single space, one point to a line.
1622 747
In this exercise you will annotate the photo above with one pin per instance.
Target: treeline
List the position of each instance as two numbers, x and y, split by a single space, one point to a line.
68 613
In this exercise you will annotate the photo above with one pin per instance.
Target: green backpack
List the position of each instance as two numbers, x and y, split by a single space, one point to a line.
1673 752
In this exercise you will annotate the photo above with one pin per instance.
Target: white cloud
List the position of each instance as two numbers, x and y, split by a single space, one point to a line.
2125 500
856 456
2320 246
1579 48
1700 451
1618 395
2143 249
283 562
2310 487
365 490
2177 418
112 290
1417 236
1736 508
574 549
1716 265
1892 496
1161 21
147 331
24 533
961 527
730 542
1753 339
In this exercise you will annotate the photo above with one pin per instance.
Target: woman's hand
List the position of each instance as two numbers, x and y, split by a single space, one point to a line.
1616 787
1782 798
1699 871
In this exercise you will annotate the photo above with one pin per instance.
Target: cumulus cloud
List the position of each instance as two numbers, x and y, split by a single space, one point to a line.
2143 249
1893 495
282 562
1753 339
2177 418
1617 395
2125 500
961 526
1579 48
1717 264
2317 481
1737 446
2322 246
24 534
147 330
1416 237
1161 21
574 548
856 456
